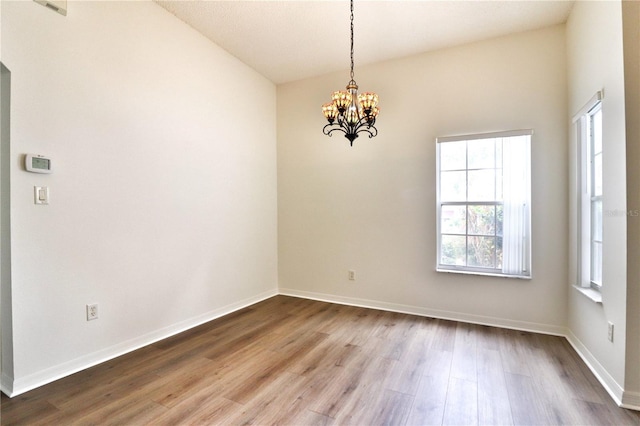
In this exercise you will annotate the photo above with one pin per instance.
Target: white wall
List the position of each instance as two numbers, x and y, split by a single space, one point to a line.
595 62
371 207
163 199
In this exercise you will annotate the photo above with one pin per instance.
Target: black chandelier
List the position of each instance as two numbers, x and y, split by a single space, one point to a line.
349 112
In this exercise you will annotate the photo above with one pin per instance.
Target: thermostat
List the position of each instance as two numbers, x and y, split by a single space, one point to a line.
37 163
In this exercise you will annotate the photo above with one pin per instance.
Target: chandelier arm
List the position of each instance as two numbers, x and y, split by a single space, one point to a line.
367 127
338 126
372 131
347 128
332 127
362 126
327 129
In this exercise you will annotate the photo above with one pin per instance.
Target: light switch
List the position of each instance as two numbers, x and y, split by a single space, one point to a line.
41 194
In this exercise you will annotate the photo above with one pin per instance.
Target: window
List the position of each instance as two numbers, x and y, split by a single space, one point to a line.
589 130
484 203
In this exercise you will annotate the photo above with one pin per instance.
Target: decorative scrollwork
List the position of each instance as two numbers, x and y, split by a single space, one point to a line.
351 130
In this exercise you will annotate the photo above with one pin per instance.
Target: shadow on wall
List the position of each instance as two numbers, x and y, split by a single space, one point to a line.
6 335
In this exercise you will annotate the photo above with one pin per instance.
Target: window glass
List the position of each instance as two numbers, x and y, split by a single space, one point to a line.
597 174
453 219
482 252
596 266
590 194
483 203
482 220
596 220
597 131
453 250
453 186
482 185
482 154
453 156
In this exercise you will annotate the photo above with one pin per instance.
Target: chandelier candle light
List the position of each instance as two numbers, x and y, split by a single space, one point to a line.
349 112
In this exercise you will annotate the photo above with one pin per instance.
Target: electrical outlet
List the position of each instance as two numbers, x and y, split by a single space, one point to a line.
352 275
610 331
92 311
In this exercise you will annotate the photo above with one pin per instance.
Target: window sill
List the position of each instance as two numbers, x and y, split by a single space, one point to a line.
594 295
484 274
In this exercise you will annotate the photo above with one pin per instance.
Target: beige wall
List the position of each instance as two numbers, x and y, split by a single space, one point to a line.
6 366
163 198
6 357
595 62
631 26
371 207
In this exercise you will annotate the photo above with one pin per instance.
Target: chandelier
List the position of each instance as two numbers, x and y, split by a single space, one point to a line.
349 112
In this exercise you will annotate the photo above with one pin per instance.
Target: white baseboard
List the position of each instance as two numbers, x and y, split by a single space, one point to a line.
11 387
603 376
432 313
624 399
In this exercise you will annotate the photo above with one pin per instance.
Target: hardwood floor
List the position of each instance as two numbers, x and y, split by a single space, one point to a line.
292 361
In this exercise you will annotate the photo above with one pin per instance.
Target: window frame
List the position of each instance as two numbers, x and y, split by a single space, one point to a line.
587 198
474 270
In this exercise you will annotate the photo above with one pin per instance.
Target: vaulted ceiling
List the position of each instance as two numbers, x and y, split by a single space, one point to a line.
295 39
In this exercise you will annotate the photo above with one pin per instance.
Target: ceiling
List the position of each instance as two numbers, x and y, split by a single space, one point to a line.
295 39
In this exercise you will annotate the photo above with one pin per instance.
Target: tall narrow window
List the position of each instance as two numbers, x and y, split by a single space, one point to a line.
484 203
589 130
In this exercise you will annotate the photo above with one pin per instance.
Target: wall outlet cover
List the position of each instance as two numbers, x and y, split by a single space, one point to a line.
92 312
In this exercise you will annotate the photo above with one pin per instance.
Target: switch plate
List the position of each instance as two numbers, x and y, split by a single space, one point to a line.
610 331
41 194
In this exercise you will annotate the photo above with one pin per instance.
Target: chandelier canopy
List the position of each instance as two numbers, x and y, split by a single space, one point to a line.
350 112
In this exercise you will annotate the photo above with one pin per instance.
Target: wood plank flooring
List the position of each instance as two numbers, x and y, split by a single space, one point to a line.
290 361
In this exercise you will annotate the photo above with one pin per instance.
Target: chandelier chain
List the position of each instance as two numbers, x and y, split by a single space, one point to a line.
351 39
